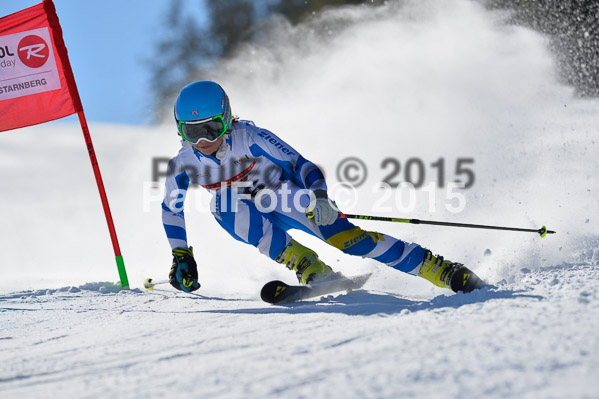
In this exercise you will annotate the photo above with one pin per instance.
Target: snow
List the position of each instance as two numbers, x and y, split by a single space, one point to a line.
535 337
454 82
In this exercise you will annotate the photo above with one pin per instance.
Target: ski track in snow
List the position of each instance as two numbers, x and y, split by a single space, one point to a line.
535 337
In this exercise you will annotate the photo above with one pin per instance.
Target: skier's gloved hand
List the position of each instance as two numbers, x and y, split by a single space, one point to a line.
184 272
322 211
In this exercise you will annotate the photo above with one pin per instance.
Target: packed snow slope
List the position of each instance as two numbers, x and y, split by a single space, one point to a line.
424 80
533 338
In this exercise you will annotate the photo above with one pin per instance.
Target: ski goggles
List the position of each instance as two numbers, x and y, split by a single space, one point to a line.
210 129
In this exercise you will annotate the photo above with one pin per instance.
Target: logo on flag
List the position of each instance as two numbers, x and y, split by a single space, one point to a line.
32 69
33 51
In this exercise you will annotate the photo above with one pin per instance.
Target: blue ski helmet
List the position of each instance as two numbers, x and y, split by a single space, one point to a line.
203 112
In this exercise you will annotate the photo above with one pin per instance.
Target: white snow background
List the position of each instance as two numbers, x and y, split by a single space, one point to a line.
421 79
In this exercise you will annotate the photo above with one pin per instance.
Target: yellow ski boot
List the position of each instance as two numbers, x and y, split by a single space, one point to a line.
303 261
447 274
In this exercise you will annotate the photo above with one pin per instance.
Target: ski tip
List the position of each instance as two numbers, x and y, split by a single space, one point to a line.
464 280
272 290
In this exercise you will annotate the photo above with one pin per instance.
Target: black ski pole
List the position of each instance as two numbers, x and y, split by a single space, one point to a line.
542 231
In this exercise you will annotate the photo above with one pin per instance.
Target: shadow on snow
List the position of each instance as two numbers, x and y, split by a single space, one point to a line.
364 303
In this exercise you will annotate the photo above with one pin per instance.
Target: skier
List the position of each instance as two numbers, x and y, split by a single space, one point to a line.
262 188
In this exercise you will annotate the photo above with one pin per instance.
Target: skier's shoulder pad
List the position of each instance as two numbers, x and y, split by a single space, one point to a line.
177 162
269 141
246 122
244 127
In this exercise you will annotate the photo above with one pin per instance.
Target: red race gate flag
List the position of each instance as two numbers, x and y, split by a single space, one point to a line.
36 82
37 85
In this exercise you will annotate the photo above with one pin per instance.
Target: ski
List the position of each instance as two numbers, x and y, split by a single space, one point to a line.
278 292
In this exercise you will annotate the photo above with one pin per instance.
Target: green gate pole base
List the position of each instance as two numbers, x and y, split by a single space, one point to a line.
122 272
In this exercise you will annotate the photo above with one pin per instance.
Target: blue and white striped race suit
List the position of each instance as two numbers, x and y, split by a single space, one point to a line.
251 162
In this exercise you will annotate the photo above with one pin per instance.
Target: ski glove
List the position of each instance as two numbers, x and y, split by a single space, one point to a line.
184 272
322 211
